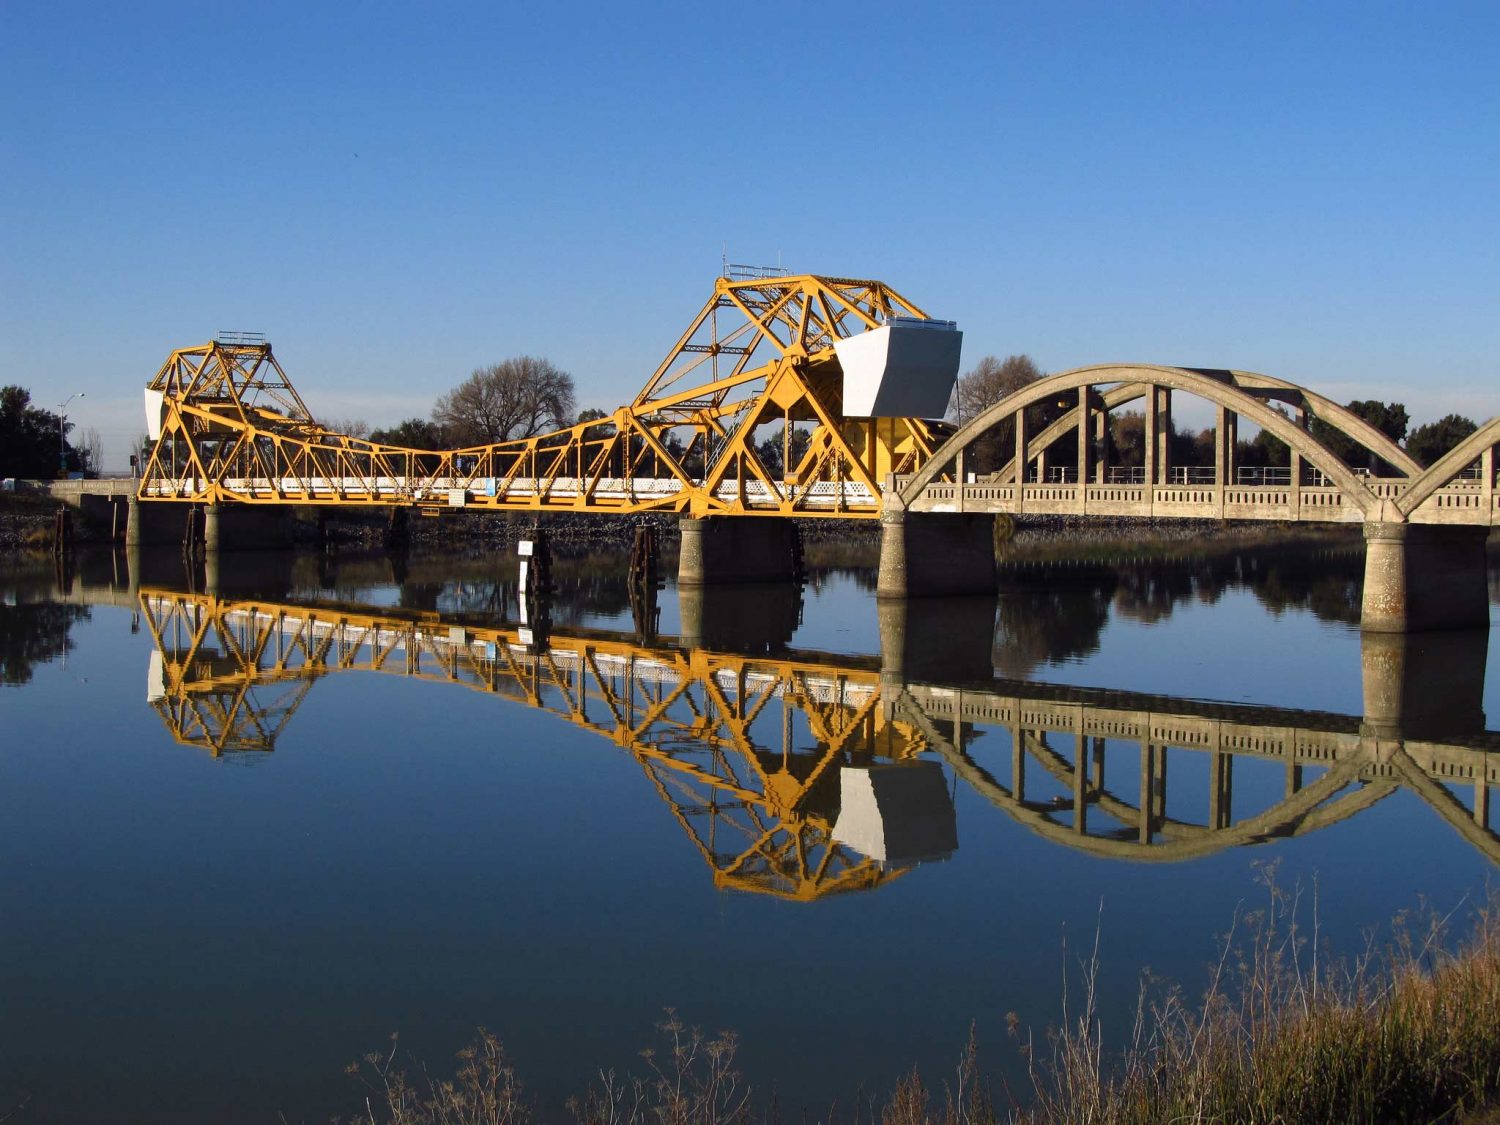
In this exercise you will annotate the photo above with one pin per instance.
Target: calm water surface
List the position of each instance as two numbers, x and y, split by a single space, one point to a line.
246 834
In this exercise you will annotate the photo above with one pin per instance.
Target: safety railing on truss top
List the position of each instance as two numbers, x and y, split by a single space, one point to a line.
736 271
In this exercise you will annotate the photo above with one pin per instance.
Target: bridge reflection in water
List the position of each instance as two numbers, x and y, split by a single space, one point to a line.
805 774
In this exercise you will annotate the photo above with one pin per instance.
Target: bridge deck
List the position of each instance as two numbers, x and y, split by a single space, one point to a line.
500 493
1465 502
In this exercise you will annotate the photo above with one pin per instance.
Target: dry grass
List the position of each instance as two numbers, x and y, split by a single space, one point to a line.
1408 1030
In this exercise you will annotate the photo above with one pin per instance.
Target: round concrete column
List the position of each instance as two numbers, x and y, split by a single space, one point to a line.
892 581
690 569
1384 608
211 528
133 536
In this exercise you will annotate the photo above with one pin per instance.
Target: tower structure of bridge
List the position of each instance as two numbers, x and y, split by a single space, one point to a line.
866 375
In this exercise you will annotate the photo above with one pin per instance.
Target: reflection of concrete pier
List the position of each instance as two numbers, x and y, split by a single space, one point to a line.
1427 685
947 640
748 618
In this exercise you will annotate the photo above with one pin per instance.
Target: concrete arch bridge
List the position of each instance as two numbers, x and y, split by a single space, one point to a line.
1425 529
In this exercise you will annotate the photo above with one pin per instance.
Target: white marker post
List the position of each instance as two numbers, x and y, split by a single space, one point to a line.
525 549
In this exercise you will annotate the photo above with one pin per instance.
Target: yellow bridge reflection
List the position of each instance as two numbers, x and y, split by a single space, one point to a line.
808 775
786 820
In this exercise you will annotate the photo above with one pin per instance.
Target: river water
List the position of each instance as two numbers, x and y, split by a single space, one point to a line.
255 820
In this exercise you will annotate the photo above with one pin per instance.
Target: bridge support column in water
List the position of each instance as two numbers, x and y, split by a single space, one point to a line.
235 527
924 555
1428 686
1420 577
719 550
156 523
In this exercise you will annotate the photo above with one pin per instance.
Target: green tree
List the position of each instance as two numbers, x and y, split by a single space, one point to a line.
29 438
769 451
1265 449
1430 442
990 380
1127 431
1127 438
1390 418
414 433
596 433
985 384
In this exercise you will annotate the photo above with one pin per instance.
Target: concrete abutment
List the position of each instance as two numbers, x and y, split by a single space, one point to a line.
155 523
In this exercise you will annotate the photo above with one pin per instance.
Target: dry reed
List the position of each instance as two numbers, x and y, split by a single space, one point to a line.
1406 1030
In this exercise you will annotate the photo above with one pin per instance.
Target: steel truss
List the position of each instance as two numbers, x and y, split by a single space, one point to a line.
759 353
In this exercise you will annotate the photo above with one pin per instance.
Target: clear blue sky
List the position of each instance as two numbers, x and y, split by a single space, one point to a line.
396 194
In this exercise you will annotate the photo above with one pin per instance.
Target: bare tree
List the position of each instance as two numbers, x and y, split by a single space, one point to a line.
515 398
90 446
985 384
989 381
350 427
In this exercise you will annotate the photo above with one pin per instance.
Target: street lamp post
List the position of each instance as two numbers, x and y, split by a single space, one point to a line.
62 425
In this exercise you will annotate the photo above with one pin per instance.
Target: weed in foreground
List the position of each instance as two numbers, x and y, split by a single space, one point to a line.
1406 1030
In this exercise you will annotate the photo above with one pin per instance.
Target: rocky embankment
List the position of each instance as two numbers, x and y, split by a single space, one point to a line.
26 523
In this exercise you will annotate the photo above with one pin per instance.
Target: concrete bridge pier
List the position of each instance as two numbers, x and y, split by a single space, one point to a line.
235 527
156 523
722 550
925 555
1420 577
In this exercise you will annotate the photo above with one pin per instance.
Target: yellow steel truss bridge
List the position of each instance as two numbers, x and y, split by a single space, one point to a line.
767 355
